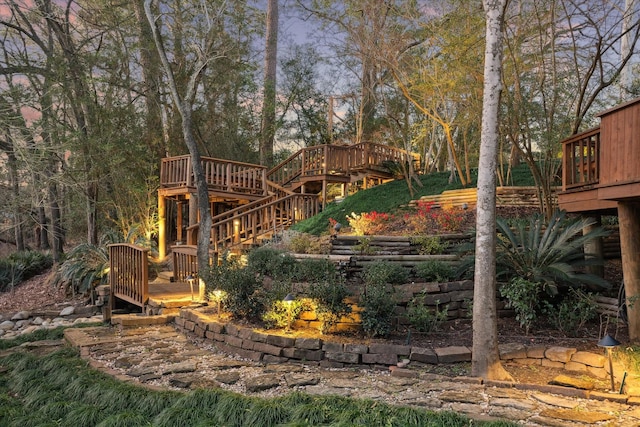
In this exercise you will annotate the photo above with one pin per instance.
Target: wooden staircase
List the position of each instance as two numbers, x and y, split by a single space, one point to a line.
267 202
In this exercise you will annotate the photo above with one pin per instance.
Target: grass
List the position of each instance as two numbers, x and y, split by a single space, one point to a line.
391 196
60 389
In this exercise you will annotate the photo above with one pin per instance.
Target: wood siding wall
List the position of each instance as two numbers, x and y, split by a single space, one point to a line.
620 139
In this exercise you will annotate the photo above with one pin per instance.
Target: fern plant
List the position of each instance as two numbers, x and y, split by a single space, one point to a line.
549 253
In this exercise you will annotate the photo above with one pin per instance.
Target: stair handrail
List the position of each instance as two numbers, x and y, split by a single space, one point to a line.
247 226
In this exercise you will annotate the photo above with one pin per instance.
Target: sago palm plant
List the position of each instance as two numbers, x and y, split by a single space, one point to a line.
550 254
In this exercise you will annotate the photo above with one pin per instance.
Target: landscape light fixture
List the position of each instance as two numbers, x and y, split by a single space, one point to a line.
288 301
190 279
609 343
217 293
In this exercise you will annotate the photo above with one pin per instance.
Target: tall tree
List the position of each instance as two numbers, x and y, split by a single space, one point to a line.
268 126
485 361
183 99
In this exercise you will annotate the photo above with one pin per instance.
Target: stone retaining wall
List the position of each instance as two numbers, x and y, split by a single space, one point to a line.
274 348
456 297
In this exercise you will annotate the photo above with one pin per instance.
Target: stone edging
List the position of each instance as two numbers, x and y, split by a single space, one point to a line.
272 348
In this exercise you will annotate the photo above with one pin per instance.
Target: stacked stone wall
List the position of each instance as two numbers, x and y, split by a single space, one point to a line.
276 348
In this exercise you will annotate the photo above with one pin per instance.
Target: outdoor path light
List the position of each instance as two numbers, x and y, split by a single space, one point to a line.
190 279
609 343
288 300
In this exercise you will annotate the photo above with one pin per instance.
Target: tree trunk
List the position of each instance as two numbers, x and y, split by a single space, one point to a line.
183 102
150 64
486 358
43 229
268 125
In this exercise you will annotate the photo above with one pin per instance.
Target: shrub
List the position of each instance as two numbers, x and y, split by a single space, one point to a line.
34 262
424 318
435 271
85 267
240 285
428 245
281 314
368 222
383 272
304 243
522 296
315 270
378 307
548 253
329 299
573 312
266 261
363 247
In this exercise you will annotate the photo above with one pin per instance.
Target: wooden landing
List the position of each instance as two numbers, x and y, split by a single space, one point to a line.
166 294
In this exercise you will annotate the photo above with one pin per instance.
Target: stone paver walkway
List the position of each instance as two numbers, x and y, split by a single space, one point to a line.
159 356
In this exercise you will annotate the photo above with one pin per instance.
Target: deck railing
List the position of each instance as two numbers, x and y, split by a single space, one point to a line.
185 261
247 226
129 273
220 175
581 160
335 160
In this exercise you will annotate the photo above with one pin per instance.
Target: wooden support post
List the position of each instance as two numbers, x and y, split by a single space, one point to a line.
595 246
180 206
324 193
629 219
162 227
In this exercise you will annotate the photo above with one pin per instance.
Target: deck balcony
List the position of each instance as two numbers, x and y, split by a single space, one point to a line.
601 166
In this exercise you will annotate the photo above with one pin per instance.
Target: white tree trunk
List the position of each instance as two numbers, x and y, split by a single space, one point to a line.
486 358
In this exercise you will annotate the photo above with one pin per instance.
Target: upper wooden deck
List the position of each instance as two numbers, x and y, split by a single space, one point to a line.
332 163
224 177
602 166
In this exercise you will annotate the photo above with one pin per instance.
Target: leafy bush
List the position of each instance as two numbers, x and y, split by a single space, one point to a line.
240 286
522 296
303 243
21 266
329 299
368 223
434 271
383 272
378 307
428 245
34 262
85 267
281 313
315 270
424 318
363 247
266 261
548 253
573 312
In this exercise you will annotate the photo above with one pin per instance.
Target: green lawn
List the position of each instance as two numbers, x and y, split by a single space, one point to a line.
391 196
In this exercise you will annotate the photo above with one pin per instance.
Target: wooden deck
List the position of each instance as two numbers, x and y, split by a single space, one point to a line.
601 166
